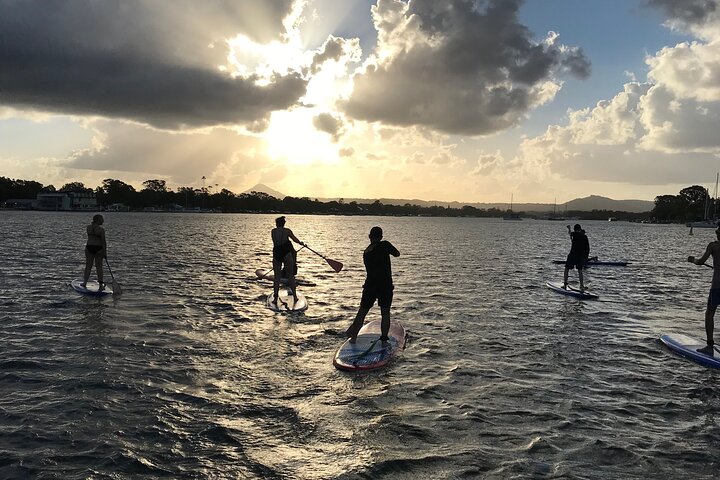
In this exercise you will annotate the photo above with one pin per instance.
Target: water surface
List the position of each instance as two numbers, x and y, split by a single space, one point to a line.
189 375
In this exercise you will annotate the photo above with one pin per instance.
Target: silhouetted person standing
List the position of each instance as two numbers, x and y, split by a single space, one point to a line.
95 250
578 256
713 301
378 284
283 256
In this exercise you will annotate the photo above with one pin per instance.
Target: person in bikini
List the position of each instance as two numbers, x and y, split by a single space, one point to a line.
378 284
284 258
713 249
95 250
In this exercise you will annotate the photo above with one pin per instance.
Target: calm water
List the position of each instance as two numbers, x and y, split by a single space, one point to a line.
188 375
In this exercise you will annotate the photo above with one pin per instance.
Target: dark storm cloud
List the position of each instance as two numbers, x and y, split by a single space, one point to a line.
688 11
147 60
478 72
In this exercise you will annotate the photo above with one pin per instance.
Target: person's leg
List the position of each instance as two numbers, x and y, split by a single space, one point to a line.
352 331
277 266
88 267
385 324
289 263
580 275
384 302
565 277
710 323
99 269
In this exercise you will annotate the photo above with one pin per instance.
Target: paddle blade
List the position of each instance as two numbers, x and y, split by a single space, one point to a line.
117 290
337 266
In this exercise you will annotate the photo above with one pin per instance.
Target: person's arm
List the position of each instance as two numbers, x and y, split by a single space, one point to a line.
292 236
392 250
703 259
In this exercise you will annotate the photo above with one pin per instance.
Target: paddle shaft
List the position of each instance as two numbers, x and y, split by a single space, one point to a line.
117 290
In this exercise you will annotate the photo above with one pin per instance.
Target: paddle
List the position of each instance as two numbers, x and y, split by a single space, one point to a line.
334 264
117 290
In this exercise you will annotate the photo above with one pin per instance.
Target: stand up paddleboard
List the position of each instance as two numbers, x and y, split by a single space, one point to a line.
571 291
265 275
92 288
687 347
368 352
286 302
598 263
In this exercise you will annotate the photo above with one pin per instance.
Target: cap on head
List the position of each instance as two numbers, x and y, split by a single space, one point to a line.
98 219
280 221
577 227
375 233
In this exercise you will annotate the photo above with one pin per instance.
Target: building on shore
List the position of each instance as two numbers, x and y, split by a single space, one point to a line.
67 201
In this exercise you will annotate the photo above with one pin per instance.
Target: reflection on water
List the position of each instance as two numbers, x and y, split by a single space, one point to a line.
187 374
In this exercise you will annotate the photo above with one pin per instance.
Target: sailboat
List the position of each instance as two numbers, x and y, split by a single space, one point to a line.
708 222
510 215
554 215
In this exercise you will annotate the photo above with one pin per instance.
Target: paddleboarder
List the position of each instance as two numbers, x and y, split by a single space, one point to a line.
713 249
378 284
95 250
284 258
578 256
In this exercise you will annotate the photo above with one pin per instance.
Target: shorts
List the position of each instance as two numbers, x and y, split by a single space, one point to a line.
93 249
383 295
574 262
714 297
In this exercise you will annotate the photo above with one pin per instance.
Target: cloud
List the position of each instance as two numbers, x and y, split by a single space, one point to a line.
697 17
688 11
460 67
326 122
184 157
155 62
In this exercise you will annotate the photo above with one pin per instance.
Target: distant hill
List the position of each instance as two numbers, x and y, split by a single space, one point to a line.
594 202
260 187
586 204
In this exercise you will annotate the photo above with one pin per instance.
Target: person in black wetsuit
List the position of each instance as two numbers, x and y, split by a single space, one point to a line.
95 250
578 256
283 256
378 284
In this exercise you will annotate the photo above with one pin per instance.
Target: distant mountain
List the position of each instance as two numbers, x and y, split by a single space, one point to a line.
260 187
594 202
586 204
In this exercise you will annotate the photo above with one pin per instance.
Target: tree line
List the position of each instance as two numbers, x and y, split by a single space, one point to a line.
690 205
155 193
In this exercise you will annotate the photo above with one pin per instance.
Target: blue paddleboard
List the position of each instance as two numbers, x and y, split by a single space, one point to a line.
687 347
92 288
368 352
571 291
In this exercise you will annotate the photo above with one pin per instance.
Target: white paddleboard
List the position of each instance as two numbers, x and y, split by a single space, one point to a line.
571 291
368 352
92 288
286 302
688 346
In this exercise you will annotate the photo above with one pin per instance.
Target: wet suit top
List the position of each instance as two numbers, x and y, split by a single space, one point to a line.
281 244
377 263
580 248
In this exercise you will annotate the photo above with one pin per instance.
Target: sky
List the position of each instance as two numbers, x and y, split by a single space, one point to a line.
460 100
